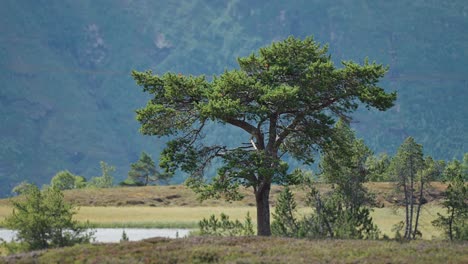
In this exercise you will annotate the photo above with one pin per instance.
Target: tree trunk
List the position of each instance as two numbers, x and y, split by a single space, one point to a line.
405 188
418 211
452 215
412 199
262 197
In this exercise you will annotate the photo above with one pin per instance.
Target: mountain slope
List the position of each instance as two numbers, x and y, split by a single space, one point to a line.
67 100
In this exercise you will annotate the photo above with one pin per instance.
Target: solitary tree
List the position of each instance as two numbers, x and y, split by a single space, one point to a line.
409 170
286 99
144 172
43 219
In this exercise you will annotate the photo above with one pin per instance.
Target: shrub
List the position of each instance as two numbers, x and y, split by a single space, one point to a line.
106 180
22 188
125 237
225 227
329 218
455 222
63 180
44 220
284 220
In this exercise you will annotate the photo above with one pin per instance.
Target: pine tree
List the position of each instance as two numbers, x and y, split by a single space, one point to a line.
343 165
407 167
285 99
144 172
455 222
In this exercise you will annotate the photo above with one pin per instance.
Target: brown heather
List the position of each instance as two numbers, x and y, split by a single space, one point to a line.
252 250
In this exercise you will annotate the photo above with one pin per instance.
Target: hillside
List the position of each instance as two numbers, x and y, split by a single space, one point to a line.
67 100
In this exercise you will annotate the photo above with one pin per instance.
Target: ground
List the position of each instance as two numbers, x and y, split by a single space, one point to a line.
252 250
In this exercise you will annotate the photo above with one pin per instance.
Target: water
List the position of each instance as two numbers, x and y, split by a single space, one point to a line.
106 235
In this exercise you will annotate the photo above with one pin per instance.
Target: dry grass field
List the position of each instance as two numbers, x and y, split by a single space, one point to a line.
180 195
188 217
177 206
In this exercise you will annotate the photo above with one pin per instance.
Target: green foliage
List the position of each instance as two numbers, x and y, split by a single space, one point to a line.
465 167
343 212
285 98
284 219
125 237
225 227
106 180
329 218
130 182
65 180
456 168
144 172
80 182
343 165
412 173
455 223
23 188
44 220
378 167
12 247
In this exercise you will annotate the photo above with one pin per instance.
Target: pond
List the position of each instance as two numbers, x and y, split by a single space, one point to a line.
106 235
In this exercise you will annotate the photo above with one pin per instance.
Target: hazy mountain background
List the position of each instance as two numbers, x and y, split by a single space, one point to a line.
67 99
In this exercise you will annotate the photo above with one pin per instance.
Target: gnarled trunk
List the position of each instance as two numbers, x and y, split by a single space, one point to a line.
262 197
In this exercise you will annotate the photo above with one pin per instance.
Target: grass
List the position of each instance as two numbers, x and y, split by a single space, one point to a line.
159 217
180 195
177 206
386 218
253 250
188 217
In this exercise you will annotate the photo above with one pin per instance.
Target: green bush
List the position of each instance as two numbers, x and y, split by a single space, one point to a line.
44 220
454 223
63 180
225 227
106 180
329 218
22 187
284 219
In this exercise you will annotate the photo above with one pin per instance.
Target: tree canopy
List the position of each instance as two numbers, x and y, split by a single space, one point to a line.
43 219
144 172
286 98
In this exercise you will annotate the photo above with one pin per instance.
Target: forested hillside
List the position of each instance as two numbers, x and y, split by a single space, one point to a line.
67 99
